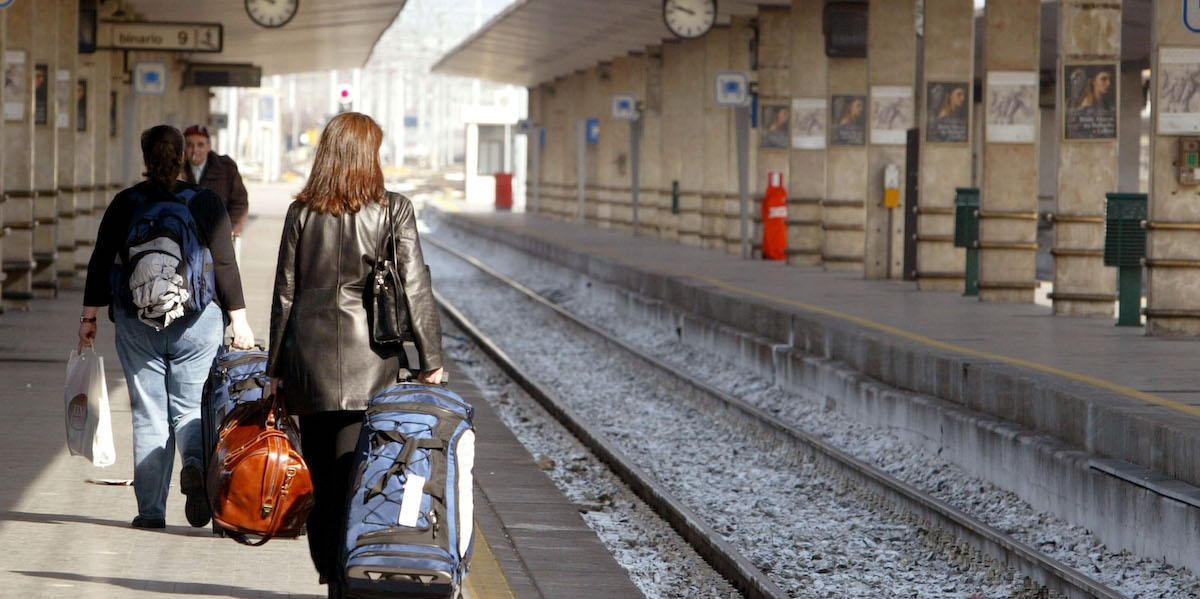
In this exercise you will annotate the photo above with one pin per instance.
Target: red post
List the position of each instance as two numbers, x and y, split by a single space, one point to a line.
774 219
504 191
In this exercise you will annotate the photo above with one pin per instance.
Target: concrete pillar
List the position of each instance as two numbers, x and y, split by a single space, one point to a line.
673 73
1133 100
1008 195
45 142
692 91
891 52
946 138
63 123
575 110
645 76
743 36
843 215
604 187
1089 58
86 222
18 162
810 126
616 166
98 130
1173 261
559 151
775 107
3 172
593 107
719 181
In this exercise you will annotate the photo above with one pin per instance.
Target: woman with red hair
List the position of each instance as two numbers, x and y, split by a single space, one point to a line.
322 358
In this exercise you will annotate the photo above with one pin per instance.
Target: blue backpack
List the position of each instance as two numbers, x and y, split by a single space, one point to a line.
410 521
165 228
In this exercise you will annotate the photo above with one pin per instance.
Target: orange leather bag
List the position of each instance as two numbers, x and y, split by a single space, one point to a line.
257 481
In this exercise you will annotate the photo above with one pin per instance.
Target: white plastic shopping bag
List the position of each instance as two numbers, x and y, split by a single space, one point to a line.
89 424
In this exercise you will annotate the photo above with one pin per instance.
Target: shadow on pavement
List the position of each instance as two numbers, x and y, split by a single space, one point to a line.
72 518
187 589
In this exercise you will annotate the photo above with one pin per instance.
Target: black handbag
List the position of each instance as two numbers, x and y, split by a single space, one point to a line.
390 324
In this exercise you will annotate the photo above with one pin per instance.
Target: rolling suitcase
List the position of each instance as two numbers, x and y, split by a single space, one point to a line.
410 520
236 378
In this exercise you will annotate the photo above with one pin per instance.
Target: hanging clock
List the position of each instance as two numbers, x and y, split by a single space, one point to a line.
689 19
272 13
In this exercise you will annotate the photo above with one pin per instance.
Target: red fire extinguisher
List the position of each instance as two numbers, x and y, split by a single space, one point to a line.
774 218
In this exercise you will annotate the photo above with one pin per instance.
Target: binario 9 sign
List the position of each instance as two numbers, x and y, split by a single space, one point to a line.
163 37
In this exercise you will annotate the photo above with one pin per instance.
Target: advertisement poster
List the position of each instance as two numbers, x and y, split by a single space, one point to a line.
809 123
849 121
946 111
1178 94
16 81
892 112
62 97
41 85
776 126
1012 104
81 105
1090 101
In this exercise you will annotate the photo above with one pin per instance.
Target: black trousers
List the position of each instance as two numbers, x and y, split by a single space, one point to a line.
328 440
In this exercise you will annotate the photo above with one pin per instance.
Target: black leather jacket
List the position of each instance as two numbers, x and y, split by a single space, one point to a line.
320 336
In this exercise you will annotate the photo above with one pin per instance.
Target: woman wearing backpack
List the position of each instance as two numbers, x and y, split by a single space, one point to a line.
322 358
168 328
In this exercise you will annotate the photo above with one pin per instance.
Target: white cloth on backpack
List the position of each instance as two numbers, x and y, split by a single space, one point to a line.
158 291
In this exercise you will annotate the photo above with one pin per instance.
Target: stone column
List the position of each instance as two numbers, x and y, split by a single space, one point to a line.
719 182
19 217
774 96
1008 195
603 154
45 142
554 152
63 123
617 165
3 172
892 59
592 108
806 183
692 90
86 220
946 138
645 77
1172 254
1089 62
843 215
673 73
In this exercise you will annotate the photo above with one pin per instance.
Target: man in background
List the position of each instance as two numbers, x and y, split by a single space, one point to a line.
220 174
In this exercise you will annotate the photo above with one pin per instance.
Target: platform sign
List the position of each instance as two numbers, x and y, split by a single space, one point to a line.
524 127
150 78
1191 15
624 107
161 36
593 131
732 89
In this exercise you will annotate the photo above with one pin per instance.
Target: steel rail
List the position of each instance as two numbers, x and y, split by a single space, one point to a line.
1015 554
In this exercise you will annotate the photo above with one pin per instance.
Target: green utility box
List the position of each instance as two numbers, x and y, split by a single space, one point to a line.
966 217
966 234
1125 247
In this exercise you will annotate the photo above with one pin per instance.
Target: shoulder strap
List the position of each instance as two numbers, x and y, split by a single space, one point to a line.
186 195
386 237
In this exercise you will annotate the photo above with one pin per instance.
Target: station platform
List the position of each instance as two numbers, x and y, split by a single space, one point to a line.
1098 423
65 533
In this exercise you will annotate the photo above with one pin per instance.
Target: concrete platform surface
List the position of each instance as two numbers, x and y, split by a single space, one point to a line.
1101 388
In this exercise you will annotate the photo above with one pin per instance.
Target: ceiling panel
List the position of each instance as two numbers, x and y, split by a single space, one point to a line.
323 35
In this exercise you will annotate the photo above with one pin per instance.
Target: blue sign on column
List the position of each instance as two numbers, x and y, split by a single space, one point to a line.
150 78
1191 15
593 131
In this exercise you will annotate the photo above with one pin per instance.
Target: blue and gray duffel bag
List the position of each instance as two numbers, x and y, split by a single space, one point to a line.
411 513
236 377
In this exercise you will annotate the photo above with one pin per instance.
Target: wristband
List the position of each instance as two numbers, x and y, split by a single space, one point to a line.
91 320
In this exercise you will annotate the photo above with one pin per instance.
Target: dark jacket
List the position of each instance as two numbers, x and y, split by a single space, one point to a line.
221 175
320 336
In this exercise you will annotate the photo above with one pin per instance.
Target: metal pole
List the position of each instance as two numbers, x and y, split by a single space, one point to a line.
581 153
742 123
635 153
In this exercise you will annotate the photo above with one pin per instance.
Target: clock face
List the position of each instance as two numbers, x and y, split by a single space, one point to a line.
689 19
272 13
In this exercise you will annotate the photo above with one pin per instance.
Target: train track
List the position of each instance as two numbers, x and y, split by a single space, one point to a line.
888 493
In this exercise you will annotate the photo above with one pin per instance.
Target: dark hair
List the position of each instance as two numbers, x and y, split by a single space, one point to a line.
162 151
345 173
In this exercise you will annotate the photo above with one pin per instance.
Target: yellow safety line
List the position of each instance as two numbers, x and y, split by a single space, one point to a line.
1082 378
486 578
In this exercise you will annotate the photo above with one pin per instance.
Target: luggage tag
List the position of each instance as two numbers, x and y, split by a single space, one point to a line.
410 505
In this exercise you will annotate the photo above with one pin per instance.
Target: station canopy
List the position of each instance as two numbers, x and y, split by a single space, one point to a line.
322 35
534 41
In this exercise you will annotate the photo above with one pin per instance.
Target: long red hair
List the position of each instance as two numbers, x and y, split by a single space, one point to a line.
345 174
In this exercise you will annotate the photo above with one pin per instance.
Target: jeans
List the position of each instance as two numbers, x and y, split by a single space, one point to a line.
166 371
